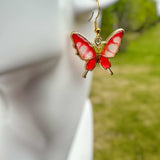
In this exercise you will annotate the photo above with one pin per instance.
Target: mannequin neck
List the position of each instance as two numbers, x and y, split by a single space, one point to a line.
24 100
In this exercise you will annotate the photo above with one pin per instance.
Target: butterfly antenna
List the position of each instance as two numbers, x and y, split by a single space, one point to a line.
85 74
110 71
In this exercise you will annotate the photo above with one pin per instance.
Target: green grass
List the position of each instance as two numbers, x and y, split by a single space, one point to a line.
127 105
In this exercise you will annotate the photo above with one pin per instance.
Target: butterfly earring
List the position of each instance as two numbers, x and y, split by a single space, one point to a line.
99 51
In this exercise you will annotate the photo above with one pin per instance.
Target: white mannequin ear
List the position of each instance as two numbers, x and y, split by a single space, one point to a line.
82 6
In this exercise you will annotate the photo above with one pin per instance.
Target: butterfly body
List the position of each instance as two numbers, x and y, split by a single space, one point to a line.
99 51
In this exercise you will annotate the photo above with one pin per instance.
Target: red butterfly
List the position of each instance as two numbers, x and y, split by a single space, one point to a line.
98 52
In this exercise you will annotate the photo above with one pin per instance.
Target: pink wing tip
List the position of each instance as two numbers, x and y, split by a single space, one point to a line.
74 35
121 33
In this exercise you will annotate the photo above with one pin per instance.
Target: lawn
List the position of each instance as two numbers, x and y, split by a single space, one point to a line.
127 104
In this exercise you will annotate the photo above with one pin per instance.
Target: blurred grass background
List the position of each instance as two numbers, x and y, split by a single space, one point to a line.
127 105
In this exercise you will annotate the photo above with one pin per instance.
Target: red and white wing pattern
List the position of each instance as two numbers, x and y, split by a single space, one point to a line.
83 46
113 44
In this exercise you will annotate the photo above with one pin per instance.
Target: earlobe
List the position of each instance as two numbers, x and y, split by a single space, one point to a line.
85 6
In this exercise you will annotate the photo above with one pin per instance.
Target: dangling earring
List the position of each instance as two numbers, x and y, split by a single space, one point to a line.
99 51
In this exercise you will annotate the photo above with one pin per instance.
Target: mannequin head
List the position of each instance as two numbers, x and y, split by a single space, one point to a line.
40 76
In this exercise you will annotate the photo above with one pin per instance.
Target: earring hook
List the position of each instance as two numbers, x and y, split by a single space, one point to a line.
95 22
98 10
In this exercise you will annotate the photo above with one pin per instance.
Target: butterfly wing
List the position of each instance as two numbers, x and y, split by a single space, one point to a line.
83 46
105 63
113 44
85 50
91 64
